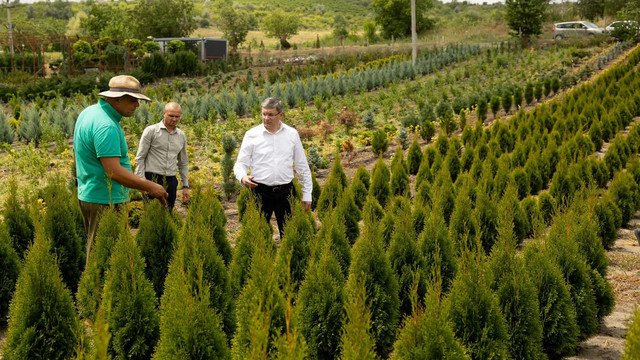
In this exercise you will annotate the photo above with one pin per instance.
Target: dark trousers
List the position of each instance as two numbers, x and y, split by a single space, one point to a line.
170 184
275 199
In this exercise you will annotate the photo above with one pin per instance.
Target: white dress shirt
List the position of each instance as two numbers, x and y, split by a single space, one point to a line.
271 158
162 152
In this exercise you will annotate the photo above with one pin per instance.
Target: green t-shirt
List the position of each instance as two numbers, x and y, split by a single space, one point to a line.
98 134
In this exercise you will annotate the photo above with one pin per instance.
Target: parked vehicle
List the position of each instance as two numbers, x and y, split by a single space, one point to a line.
623 29
575 29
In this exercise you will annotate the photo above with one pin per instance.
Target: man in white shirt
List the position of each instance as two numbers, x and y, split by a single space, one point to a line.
270 150
163 152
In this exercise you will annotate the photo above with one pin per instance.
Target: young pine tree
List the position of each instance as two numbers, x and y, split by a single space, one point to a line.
462 226
370 267
157 237
17 220
350 215
205 204
60 225
320 306
293 256
129 303
190 327
359 190
91 283
436 248
379 142
399 183
414 157
331 193
358 339
42 319
10 265
380 177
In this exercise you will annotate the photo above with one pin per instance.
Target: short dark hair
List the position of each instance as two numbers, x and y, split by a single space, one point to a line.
273 103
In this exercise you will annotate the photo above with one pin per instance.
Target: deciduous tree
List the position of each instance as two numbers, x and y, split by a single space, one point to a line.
282 26
525 17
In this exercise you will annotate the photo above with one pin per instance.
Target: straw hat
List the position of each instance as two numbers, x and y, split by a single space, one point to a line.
124 85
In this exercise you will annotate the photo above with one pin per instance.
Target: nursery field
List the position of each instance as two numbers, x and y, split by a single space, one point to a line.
478 204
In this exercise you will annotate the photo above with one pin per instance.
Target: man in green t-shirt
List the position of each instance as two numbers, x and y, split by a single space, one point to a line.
103 167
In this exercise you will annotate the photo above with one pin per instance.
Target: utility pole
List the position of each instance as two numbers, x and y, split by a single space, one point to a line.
10 26
414 34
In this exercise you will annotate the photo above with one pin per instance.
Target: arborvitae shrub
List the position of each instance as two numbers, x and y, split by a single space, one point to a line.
399 184
547 206
243 200
606 222
320 306
229 183
424 172
486 217
521 182
206 205
316 190
372 211
475 312
516 292
92 279
254 230
10 265
494 104
444 195
358 341
483 108
350 215
359 190
427 130
632 345
414 157
442 144
438 252
406 260
260 307
156 237
517 97
528 93
42 319
370 266
363 175
129 302
191 325
338 172
566 252
538 91
595 134
60 225
506 100
294 253
379 142
17 220
380 177
462 225
427 333
559 327
521 225
331 193
625 194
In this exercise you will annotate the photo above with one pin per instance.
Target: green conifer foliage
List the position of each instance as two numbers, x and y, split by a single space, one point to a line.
370 266
452 161
338 172
606 222
331 193
316 190
358 339
462 226
242 201
427 333
294 253
560 329
190 325
254 230
206 205
566 252
10 265
632 345
474 311
196 239
486 218
406 259
157 237
528 93
625 193
520 221
260 307
363 175
129 303
379 142
516 292
380 177
320 306
414 157
424 171
92 280
17 220
494 104
372 212
42 319
350 215
444 195
332 234
547 206
359 192
483 108
399 184
60 225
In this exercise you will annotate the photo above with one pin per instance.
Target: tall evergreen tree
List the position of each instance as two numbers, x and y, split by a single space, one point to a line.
370 266
331 193
129 303
357 341
332 234
414 157
380 177
399 183
293 256
157 237
205 204
42 319
350 214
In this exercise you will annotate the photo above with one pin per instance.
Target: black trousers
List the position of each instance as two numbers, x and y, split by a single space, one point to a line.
275 199
170 183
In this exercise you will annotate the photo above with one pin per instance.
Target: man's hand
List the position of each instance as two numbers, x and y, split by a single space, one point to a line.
247 181
185 195
306 205
157 191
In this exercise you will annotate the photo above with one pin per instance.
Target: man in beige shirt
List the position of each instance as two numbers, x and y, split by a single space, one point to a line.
162 153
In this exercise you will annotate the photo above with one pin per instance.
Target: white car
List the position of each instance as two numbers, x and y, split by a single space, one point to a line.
618 24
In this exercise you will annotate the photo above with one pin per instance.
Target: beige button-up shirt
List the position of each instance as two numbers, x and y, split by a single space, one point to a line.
162 152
